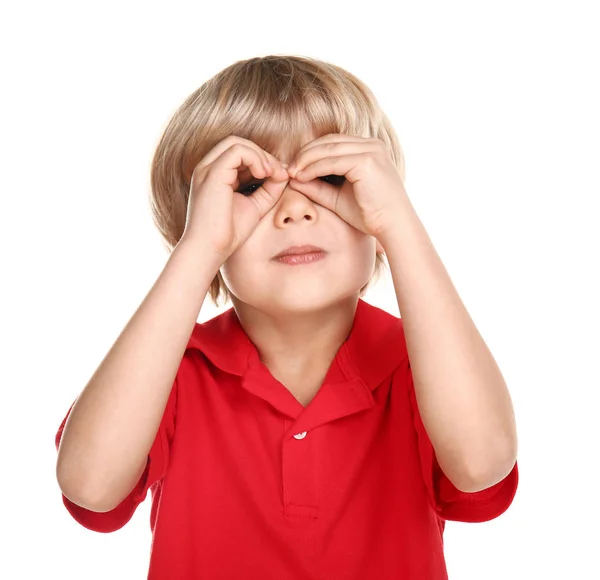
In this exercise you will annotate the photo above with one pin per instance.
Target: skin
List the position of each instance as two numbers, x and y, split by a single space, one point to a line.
299 316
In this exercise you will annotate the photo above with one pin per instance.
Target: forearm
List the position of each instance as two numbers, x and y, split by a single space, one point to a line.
113 423
462 396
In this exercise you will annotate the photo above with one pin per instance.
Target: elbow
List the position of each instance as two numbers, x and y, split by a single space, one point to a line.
487 477
81 494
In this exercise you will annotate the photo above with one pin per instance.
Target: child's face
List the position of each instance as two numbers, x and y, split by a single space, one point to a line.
255 278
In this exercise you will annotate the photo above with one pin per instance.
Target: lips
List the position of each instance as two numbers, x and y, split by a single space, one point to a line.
298 250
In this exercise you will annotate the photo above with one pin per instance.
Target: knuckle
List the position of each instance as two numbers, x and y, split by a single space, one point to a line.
236 146
370 160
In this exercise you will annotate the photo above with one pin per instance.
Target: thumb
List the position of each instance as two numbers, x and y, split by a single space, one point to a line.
318 191
269 193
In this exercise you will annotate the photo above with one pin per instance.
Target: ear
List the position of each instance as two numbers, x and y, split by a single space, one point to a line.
380 249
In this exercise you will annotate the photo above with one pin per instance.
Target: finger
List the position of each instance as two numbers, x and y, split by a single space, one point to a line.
267 195
318 191
279 168
343 166
240 155
312 154
341 137
220 148
330 138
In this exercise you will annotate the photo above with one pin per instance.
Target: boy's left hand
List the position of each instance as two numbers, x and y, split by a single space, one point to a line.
372 193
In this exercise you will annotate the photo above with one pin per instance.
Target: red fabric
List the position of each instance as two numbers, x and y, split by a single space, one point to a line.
356 495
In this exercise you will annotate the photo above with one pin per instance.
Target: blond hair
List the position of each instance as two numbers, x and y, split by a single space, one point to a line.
262 99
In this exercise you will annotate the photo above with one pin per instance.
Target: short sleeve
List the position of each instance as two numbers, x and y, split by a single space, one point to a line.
448 501
156 466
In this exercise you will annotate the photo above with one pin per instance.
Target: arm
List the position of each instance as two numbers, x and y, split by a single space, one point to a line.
111 428
462 397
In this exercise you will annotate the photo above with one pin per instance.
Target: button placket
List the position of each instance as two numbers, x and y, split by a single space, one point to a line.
300 478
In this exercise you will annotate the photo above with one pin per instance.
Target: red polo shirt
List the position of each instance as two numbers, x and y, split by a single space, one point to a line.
248 483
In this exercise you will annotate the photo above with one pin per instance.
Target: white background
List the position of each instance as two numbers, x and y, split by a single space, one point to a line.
497 109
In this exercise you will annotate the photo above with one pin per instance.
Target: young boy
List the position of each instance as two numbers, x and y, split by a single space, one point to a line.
283 438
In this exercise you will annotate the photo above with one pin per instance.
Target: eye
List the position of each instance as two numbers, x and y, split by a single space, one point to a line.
335 180
246 189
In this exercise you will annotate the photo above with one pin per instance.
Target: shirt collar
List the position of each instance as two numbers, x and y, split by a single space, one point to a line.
374 348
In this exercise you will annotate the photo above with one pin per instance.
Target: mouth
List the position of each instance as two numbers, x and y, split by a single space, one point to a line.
300 251
297 255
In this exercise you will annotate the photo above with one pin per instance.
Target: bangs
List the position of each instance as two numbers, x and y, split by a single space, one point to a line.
278 103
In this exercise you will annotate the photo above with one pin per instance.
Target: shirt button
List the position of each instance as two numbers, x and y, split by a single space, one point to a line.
300 435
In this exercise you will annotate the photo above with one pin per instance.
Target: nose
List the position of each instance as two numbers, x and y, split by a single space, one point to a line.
294 206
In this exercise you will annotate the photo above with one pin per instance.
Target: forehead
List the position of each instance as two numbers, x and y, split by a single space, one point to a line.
287 152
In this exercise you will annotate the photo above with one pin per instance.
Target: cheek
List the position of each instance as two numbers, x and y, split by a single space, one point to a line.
367 259
233 269
241 271
357 262
365 249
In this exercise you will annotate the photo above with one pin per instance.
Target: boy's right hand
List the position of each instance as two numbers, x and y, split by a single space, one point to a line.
216 212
